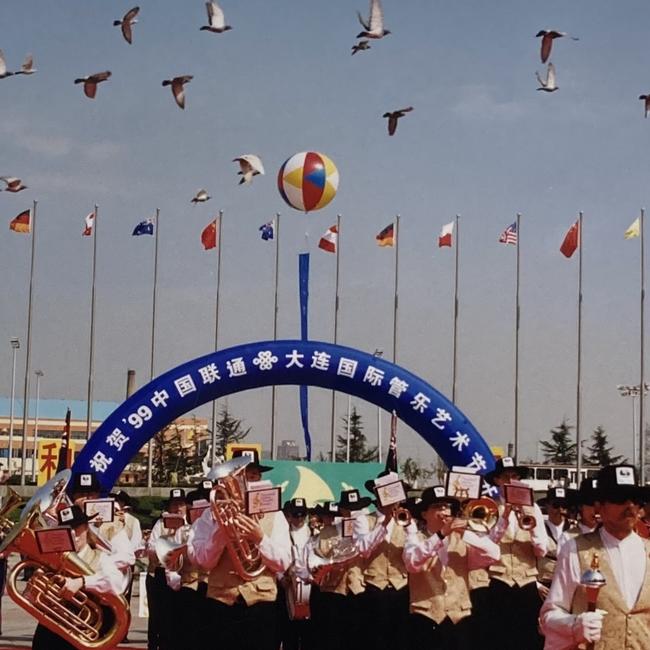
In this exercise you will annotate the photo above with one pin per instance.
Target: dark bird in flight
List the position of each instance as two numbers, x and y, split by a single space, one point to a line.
90 82
549 84
127 22
393 116
646 99
216 19
360 46
178 90
374 26
548 36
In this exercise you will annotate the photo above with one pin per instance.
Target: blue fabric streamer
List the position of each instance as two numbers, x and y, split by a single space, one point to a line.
303 275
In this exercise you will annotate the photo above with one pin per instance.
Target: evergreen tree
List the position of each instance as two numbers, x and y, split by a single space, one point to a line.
414 473
560 450
359 450
229 430
599 452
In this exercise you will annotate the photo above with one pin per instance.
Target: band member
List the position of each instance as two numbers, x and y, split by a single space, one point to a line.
254 469
385 576
513 580
107 578
622 616
439 561
242 611
587 521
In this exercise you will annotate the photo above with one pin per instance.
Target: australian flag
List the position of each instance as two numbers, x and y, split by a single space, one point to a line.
267 231
144 228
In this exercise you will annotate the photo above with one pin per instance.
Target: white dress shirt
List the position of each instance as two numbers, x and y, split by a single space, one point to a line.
569 534
107 578
556 531
368 540
628 562
538 535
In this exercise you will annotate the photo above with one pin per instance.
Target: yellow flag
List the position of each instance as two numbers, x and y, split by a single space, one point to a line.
633 230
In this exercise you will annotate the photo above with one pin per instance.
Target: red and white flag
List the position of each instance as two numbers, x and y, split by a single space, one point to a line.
571 240
446 235
328 240
209 236
89 222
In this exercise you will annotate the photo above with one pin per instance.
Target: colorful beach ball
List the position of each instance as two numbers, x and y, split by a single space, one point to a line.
308 181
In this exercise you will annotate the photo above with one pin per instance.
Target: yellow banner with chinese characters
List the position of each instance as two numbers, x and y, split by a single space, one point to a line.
47 458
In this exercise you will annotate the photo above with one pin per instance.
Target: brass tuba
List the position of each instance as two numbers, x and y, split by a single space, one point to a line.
227 502
481 514
12 501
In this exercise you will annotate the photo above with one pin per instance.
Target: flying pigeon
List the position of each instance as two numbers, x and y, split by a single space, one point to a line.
216 19
3 67
374 26
201 197
128 20
27 66
549 85
249 165
548 36
360 46
178 91
13 184
647 103
90 82
394 116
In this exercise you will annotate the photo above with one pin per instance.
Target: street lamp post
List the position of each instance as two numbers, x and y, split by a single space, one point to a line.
633 392
15 345
378 353
39 374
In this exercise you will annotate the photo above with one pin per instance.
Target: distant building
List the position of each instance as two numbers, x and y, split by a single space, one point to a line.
288 450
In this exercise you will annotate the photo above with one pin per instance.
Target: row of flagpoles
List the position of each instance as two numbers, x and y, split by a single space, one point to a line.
330 242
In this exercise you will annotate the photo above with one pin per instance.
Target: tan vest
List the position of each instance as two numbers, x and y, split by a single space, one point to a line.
225 585
443 591
478 578
622 627
518 564
546 565
340 581
386 565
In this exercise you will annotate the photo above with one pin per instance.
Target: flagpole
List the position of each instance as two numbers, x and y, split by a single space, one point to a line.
517 317
455 347
396 236
336 332
216 336
28 350
642 441
153 339
579 379
276 234
91 355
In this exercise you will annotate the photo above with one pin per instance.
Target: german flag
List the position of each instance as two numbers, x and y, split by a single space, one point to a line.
387 236
22 223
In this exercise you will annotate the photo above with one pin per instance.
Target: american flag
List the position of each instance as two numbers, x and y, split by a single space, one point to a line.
509 235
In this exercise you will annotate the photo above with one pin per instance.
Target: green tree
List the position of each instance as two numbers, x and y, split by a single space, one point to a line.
559 449
360 452
229 430
599 451
414 473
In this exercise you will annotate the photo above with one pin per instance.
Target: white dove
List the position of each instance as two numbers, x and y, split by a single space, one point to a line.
27 66
249 165
201 197
216 18
374 26
549 85
3 67
13 184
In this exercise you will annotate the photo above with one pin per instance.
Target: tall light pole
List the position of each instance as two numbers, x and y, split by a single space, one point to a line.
15 345
633 391
378 353
39 374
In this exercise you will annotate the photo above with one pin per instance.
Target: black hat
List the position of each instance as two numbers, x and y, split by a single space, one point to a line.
618 483
73 516
351 500
561 495
504 465
327 509
585 496
436 494
254 458
123 499
85 483
370 483
176 493
202 492
296 507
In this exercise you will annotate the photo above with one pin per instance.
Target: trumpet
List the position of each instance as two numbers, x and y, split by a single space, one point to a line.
402 516
481 514
525 521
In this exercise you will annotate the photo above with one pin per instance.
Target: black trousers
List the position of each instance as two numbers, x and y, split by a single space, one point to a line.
191 621
294 635
385 613
338 621
161 599
515 609
480 619
46 640
425 633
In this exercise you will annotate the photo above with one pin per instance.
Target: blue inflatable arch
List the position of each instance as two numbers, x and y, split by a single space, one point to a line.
268 363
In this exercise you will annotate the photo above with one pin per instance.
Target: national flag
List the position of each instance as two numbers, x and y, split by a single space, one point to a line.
509 235
267 230
143 228
446 235
89 225
634 230
209 236
21 223
391 456
65 456
387 236
571 240
329 239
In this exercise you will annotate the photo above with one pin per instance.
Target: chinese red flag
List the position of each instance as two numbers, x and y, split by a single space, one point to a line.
209 236
571 240
21 223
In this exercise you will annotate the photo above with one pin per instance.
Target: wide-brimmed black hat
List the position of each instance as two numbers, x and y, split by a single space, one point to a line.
352 500
202 492
618 483
74 516
296 507
327 509
85 483
586 494
176 494
506 464
370 483
124 499
433 495
558 495
254 458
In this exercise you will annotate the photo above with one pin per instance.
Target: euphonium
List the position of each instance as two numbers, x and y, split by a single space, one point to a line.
227 502
481 514
12 501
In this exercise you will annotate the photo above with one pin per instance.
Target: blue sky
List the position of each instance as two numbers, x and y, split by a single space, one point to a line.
481 142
